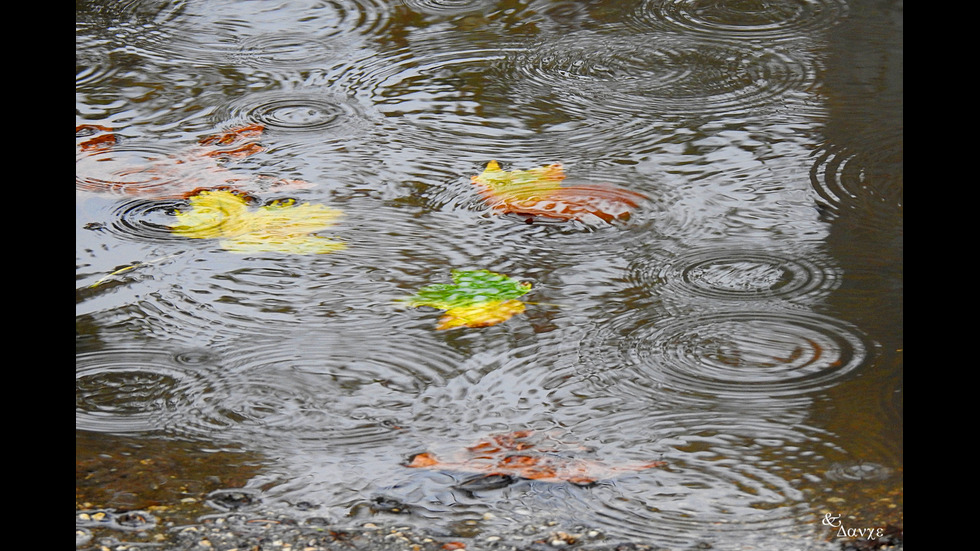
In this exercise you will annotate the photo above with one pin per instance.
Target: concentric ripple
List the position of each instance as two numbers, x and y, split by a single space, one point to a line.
752 19
125 171
738 470
668 74
858 471
261 392
845 178
282 404
738 273
319 33
448 7
429 94
352 387
729 476
277 51
144 221
329 115
202 291
161 169
127 391
93 75
127 29
216 31
741 354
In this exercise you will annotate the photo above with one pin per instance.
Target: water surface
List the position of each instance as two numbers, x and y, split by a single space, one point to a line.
744 325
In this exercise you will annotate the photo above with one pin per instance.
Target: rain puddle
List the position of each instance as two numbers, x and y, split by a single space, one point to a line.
305 250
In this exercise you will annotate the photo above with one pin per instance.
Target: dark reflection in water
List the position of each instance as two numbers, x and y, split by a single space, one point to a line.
744 325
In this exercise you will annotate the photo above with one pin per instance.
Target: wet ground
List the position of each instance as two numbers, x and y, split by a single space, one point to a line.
267 530
150 494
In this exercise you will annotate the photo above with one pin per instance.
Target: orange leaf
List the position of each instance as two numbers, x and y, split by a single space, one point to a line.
239 137
423 460
233 135
100 142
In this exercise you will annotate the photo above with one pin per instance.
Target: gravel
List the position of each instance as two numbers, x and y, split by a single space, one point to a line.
108 530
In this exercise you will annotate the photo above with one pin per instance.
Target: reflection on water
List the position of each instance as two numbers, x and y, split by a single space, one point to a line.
743 325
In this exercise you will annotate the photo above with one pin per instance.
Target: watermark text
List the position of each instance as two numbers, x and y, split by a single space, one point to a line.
845 532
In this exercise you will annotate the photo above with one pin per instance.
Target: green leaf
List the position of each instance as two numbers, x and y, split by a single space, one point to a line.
470 288
476 298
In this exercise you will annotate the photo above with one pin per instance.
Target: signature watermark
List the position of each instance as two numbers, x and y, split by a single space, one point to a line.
835 521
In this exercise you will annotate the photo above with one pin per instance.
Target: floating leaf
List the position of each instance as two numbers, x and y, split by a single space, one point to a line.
518 455
476 298
520 185
278 227
484 314
538 192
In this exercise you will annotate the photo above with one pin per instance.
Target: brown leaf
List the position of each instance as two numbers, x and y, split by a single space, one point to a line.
176 175
515 455
538 193
102 137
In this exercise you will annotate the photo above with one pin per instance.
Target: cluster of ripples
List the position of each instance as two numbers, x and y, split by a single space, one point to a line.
697 332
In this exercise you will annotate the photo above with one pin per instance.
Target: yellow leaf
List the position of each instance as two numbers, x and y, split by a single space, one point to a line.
483 314
307 244
213 214
279 227
519 185
538 193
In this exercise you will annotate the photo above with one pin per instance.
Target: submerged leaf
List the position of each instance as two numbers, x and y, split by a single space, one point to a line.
516 454
476 298
239 137
177 173
538 192
279 227
97 138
